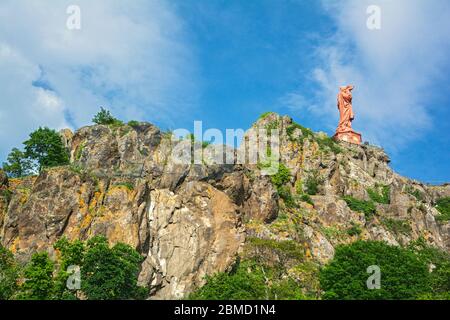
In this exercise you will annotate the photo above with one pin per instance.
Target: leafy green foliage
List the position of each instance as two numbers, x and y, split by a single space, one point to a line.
443 206
133 123
285 194
236 285
306 198
110 273
279 179
265 115
439 263
306 133
311 184
354 230
285 250
127 185
7 195
328 143
415 193
380 197
403 274
106 272
9 273
38 275
45 146
248 281
17 165
366 207
397 226
70 254
106 118
282 177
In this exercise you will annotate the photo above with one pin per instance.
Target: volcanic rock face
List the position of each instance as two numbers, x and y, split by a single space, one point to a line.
191 220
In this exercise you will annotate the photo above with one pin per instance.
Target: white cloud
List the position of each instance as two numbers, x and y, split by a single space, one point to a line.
395 69
129 56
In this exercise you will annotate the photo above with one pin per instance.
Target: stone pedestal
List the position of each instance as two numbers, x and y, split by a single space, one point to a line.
348 136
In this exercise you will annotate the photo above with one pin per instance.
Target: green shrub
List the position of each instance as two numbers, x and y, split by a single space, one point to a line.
285 194
248 281
366 207
397 226
205 144
443 206
106 118
111 273
415 193
127 185
265 115
79 151
354 230
240 284
440 273
306 198
306 133
133 123
39 283
7 195
329 143
9 273
282 176
403 274
311 184
285 250
380 197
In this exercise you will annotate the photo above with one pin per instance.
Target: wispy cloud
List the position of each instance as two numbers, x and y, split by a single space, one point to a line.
394 69
132 57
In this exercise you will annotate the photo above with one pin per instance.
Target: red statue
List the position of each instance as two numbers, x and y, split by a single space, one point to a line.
344 130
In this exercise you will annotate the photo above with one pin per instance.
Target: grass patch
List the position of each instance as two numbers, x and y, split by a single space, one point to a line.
362 206
306 198
311 185
265 115
305 132
397 226
133 123
79 152
443 206
7 195
415 193
286 249
380 194
332 233
127 185
328 143
354 230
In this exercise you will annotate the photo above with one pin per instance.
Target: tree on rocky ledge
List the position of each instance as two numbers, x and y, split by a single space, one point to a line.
17 165
43 149
45 146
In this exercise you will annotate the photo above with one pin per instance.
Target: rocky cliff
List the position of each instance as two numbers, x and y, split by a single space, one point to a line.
191 220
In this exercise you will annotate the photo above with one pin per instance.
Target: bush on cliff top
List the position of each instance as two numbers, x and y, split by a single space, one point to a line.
106 118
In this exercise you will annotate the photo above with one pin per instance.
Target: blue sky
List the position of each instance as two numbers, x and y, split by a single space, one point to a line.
226 62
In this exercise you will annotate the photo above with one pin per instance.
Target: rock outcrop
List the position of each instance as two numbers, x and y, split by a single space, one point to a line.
190 220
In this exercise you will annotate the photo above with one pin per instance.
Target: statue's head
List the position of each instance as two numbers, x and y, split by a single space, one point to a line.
346 88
